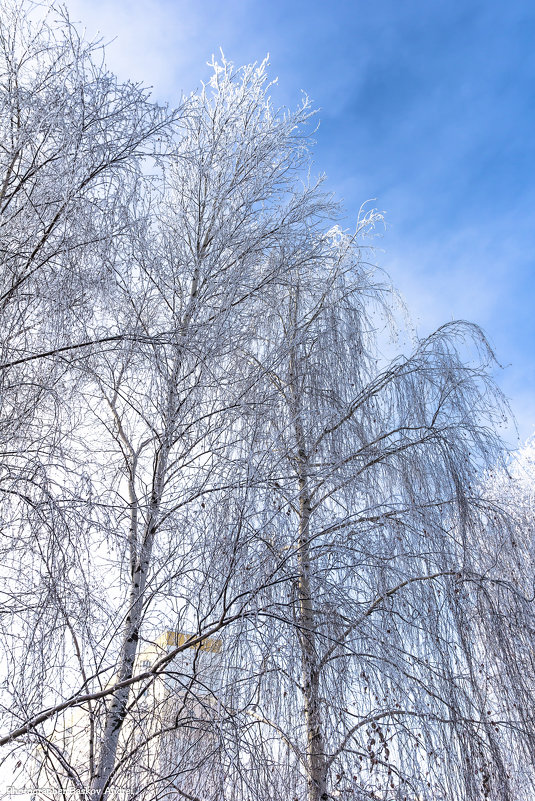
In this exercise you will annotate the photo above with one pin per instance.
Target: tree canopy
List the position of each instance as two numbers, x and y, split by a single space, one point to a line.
252 546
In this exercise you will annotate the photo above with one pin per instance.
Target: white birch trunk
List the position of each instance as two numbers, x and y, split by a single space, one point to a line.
140 565
316 760
315 756
117 710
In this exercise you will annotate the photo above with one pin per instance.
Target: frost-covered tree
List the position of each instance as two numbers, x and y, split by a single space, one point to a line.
141 450
72 139
228 203
205 443
371 495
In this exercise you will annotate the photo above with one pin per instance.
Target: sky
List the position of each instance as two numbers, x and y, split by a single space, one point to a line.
426 109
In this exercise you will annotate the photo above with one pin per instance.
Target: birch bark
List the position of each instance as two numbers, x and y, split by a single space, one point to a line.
316 759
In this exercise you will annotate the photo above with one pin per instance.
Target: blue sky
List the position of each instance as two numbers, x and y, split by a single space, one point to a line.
426 106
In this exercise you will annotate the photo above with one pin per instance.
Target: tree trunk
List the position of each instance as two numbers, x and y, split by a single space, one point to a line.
315 756
316 762
140 564
116 712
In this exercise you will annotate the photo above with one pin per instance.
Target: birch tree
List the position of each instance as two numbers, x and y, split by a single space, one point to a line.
376 487
72 138
151 432
226 206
